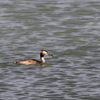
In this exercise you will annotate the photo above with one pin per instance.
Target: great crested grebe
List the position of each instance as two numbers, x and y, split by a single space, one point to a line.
34 61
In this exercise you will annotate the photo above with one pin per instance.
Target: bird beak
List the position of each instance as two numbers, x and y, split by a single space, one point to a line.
50 54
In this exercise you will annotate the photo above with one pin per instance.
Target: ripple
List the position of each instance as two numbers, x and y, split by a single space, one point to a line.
67 29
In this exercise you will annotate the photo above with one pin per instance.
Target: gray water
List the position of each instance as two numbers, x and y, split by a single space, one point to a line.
70 30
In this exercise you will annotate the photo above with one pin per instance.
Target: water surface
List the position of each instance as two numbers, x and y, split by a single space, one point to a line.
69 29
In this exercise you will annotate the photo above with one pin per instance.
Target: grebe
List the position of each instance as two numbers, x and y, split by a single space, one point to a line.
34 61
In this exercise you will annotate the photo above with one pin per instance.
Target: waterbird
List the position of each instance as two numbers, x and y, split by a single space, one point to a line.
34 61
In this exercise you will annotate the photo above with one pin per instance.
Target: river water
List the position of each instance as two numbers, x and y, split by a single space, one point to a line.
70 30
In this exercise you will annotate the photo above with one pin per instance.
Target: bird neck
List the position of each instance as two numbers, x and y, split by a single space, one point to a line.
42 59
